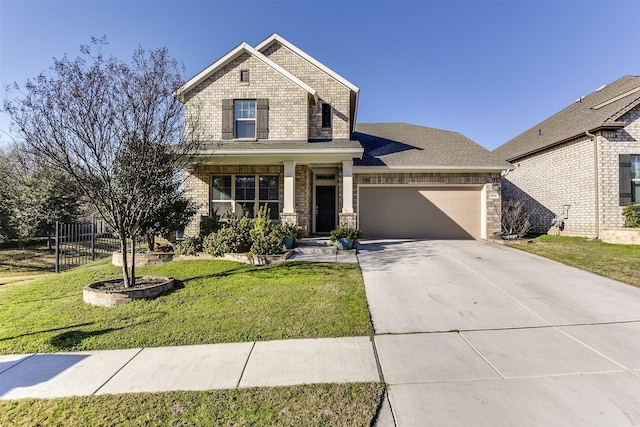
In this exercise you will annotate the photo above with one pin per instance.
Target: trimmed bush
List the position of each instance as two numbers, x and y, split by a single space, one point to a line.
267 245
284 231
232 238
631 216
188 246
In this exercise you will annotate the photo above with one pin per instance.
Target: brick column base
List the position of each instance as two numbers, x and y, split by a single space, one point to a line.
349 219
289 218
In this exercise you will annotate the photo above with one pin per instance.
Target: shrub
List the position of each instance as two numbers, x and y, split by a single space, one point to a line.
226 240
261 225
631 215
232 238
286 231
209 224
267 245
345 232
188 246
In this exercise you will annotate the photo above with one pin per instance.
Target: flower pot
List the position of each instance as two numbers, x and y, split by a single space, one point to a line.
344 244
288 242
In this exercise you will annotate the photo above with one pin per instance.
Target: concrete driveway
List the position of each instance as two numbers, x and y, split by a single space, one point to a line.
473 333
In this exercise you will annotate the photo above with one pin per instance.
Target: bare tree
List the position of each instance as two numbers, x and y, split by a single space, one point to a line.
515 219
115 128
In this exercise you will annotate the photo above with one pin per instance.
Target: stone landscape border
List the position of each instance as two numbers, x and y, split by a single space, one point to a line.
111 298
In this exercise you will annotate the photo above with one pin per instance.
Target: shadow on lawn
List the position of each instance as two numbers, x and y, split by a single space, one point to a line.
46 330
70 340
177 285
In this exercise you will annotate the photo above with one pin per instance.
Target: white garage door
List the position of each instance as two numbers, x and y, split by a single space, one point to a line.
420 212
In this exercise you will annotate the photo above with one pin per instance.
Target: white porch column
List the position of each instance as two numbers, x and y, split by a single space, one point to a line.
347 186
289 186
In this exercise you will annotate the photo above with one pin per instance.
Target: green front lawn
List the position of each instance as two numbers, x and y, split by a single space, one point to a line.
216 301
618 262
310 405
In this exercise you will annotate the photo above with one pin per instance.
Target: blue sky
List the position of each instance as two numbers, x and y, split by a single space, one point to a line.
487 69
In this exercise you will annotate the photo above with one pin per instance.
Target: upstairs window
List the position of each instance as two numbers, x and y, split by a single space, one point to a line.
245 118
244 76
326 115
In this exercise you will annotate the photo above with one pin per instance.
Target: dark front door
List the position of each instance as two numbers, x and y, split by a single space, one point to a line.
325 208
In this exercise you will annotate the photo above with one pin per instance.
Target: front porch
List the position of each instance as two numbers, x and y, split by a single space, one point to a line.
316 196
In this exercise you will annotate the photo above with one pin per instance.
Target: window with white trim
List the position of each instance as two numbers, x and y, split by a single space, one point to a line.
245 118
245 194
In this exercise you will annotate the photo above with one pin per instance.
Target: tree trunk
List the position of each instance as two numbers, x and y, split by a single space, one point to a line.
151 242
133 261
125 266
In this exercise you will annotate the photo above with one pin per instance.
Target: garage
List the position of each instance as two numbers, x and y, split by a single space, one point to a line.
420 212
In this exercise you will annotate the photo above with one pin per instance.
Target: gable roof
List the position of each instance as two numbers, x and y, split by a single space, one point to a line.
405 146
282 41
230 56
599 110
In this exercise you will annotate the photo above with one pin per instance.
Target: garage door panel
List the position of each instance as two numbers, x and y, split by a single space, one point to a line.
420 212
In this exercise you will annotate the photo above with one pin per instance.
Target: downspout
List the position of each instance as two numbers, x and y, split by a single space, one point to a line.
596 175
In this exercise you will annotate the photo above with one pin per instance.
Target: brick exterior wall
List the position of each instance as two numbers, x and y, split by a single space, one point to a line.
553 181
490 181
610 145
329 91
565 175
198 185
304 196
288 102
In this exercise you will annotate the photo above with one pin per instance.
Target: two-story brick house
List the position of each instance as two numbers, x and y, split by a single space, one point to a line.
279 128
581 164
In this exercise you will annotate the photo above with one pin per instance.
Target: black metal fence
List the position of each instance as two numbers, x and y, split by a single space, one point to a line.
80 243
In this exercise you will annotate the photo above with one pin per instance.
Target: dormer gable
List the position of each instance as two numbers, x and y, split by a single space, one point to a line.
276 38
242 48
352 90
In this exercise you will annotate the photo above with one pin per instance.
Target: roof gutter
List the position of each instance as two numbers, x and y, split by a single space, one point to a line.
419 169
279 152
603 127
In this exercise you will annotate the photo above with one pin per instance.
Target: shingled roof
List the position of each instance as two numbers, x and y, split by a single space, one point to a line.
601 109
405 146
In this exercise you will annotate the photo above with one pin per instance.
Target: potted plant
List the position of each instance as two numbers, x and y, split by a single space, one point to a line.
288 233
345 236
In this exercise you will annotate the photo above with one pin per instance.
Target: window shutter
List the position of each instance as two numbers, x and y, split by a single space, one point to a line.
227 119
262 131
625 179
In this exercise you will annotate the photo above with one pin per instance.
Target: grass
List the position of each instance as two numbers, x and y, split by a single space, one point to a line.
317 405
216 301
617 262
25 264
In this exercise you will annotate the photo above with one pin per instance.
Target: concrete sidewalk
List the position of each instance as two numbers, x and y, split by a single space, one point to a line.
198 367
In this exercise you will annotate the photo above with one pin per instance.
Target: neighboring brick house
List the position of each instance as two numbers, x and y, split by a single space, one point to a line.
280 129
582 163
